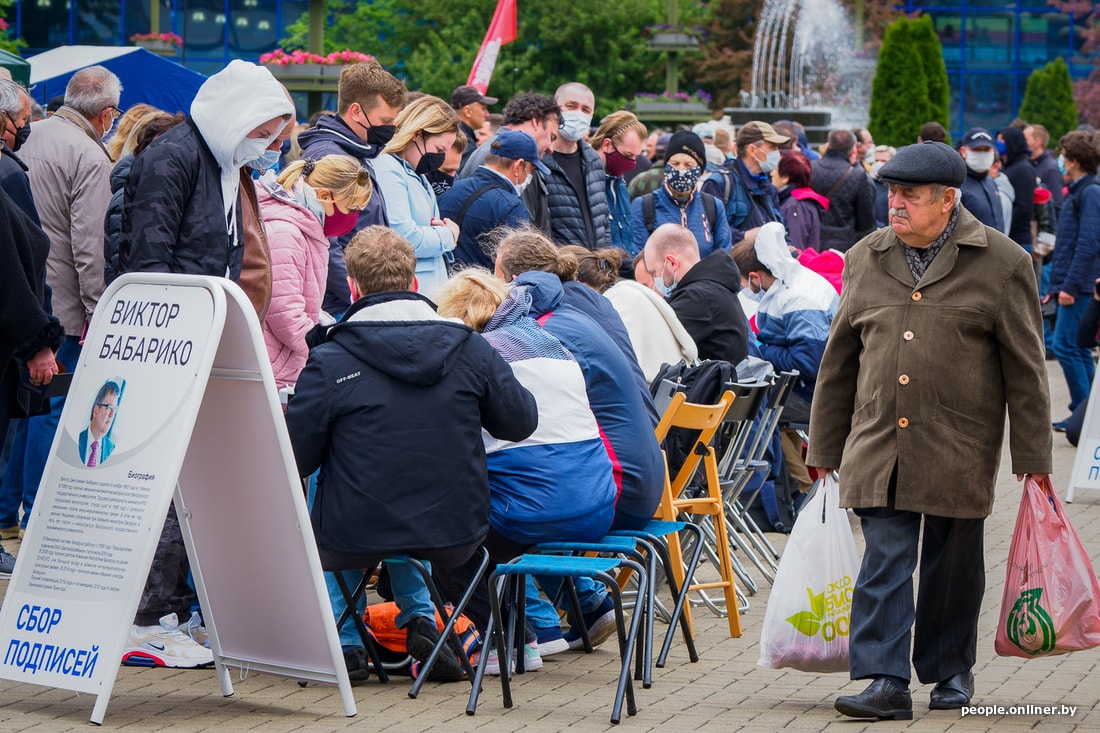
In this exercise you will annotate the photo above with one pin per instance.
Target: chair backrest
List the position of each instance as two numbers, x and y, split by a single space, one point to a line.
738 425
777 399
705 420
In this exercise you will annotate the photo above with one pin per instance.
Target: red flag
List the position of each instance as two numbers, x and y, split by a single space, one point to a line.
501 30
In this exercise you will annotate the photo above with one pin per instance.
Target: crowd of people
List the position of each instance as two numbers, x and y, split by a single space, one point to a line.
469 308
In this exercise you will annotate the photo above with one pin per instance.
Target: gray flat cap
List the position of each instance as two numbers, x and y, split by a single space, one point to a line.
924 163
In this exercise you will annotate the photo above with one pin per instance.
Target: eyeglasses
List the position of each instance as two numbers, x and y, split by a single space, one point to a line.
115 112
108 407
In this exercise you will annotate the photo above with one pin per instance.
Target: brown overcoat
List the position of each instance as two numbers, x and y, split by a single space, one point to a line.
921 375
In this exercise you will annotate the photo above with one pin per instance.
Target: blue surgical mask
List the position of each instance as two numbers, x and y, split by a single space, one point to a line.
771 160
574 125
268 160
659 284
1062 164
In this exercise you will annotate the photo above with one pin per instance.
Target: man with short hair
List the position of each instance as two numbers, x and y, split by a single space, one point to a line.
471 107
979 192
576 196
754 200
1038 140
15 106
395 376
932 132
490 197
938 331
851 194
702 292
865 147
94 442
618 142
368 100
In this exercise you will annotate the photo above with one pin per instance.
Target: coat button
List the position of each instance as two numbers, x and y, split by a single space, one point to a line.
903 379
916 295
908 335
903 422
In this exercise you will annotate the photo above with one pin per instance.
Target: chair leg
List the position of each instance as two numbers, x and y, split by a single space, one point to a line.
503 635
449 619
680 594
492 634
578 613
733 615
627 639
364 635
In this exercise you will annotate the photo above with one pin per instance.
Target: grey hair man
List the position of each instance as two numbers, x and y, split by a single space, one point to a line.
15 113
937 334
69 171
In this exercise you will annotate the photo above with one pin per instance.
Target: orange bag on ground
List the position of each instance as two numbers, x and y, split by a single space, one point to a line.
1051 602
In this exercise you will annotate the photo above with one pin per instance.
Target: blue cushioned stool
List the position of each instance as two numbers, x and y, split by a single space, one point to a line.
510 579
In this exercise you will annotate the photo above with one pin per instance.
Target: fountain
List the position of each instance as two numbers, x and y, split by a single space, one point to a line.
804 68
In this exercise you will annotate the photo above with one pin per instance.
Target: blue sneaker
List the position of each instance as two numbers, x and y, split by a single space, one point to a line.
7 564
551 641
1059 427
600 624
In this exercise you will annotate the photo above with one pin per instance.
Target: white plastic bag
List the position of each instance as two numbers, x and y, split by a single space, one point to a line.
809 611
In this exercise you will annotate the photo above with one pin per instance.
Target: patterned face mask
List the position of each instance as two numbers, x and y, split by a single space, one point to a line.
682 181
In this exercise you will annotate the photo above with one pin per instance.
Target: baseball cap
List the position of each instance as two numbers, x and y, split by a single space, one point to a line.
755 131
704 130
517 145
464 95
978 137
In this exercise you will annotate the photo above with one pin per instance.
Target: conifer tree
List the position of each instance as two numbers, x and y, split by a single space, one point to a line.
1048 100
899 93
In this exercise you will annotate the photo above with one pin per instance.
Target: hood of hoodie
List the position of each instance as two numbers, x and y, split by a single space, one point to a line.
717 267
333 129
401 335
1015 145
545 289
228 106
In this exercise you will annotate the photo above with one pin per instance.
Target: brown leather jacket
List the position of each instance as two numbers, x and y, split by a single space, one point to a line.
256 269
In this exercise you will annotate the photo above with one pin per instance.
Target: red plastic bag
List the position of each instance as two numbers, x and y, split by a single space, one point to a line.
1051 602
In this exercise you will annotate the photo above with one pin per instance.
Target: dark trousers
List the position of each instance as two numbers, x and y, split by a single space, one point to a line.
949 597
166 589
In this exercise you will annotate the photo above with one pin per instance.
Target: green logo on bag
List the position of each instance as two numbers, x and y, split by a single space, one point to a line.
1029 626
829 611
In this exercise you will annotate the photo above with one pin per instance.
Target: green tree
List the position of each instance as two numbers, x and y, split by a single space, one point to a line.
432 44
1048 100
899 93
928 46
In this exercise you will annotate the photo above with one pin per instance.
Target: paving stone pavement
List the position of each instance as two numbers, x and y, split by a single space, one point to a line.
725 691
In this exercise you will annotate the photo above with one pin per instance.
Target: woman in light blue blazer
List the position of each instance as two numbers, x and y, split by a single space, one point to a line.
426 130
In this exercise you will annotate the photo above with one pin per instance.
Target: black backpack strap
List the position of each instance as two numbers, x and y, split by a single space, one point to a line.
649 212
710 208
473 197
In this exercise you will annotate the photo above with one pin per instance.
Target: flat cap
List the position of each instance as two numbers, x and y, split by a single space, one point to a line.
924 163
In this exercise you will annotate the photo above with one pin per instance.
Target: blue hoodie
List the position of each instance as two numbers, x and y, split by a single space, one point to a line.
618 404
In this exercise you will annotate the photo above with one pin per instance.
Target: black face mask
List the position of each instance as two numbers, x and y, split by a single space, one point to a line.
441 182
430 162
21 134
380 135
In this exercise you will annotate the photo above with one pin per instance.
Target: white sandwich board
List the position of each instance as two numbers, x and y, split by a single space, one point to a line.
1086 464
178 364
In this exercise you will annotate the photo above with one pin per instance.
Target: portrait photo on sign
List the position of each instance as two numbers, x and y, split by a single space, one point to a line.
96 441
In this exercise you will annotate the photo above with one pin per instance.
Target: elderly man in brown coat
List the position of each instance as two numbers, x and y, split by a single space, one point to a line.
937 332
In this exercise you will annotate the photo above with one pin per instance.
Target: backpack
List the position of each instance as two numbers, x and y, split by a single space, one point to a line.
649 211
702 384
381 622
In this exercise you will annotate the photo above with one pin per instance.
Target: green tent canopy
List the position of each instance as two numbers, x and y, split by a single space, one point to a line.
18 66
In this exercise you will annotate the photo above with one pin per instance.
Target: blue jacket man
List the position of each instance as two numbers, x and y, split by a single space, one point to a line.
979 192
490 197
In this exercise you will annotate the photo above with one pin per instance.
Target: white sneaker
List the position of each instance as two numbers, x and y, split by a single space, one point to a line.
532 660
196 630
165 646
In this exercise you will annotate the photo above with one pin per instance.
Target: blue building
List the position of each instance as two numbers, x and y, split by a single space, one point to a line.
991 46
214 31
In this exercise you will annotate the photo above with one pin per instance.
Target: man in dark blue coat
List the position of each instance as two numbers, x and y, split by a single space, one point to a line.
979 192
391 409
368 100
489 198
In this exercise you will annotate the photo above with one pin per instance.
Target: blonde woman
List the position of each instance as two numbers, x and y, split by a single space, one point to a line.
121 143
426 130
308 202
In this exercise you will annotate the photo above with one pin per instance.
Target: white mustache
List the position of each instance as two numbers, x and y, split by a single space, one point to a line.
899 213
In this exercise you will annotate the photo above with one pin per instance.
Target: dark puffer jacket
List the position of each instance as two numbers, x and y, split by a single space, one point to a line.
391 408
567 223
851 212
112 223
172 212
706 303
980 198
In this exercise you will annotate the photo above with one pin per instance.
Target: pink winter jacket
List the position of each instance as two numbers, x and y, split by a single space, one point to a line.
299 268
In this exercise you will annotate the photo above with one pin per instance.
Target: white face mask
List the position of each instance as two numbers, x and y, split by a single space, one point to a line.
250 149
574 125
521 187
876 167
869 156
979 161
771 160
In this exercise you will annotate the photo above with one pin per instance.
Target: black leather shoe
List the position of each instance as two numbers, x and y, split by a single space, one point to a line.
882 699
952 693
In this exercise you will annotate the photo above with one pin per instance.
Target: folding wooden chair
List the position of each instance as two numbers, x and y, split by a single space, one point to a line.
676 501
